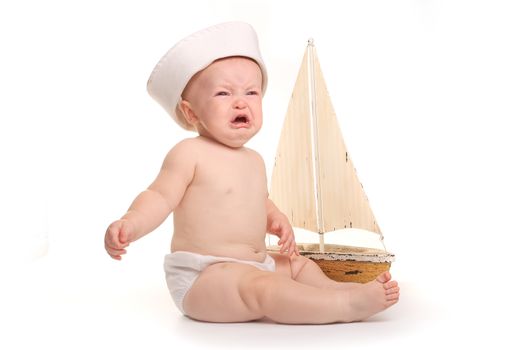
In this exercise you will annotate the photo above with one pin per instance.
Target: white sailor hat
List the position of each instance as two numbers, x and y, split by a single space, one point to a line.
194 53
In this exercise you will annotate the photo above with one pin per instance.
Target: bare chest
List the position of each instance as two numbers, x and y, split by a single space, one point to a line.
231 177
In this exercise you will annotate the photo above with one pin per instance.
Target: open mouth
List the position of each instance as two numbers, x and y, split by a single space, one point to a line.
240 120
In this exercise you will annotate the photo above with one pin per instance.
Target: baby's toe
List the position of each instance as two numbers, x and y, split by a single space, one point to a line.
392 290
384 277
390 284
392 297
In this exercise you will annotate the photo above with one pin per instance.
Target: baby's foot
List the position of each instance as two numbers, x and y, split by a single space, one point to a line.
373 297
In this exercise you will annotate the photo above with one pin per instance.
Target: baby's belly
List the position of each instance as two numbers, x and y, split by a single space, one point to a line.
242 251
231 225
242 239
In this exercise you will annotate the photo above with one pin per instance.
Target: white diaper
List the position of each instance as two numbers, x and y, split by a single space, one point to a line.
182 269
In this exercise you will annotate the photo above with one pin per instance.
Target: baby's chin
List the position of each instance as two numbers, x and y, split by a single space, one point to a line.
237 139
235 143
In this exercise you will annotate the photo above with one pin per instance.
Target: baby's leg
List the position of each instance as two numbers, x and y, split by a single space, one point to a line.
306 271
232 292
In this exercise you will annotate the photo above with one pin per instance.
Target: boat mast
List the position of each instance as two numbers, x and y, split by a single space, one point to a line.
315 146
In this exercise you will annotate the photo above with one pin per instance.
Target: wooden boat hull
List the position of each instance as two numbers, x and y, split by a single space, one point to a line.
352 271
346 263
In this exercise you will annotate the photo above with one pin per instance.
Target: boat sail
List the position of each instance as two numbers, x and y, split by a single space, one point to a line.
314 181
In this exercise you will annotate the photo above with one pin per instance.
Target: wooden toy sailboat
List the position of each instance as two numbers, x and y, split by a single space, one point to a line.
315 184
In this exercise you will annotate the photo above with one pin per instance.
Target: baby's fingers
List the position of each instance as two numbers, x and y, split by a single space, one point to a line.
116 257
287 245
116 236
115 253
111 237
293 248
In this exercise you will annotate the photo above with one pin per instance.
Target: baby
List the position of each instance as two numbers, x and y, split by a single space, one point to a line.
219 270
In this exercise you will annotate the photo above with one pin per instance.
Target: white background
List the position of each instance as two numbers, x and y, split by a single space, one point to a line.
429 96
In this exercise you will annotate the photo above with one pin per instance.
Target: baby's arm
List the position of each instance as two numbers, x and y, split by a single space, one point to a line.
152 206
277 223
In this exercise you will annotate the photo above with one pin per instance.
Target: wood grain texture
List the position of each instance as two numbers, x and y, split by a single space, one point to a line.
352 271
292 184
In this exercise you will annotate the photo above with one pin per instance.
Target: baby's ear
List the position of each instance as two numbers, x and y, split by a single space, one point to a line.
185 107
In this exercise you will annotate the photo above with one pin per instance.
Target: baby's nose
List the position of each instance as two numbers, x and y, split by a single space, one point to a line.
239 103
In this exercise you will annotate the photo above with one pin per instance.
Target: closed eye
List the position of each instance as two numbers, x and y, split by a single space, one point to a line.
222 93
253 92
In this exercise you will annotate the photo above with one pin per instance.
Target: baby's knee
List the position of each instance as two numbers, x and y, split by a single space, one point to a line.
290 265
297 263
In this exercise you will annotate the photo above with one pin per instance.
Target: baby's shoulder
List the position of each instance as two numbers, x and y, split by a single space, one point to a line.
184 151
254 155
190 145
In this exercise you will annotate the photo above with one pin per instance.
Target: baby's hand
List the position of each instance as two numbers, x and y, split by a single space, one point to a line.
282 229
117 238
